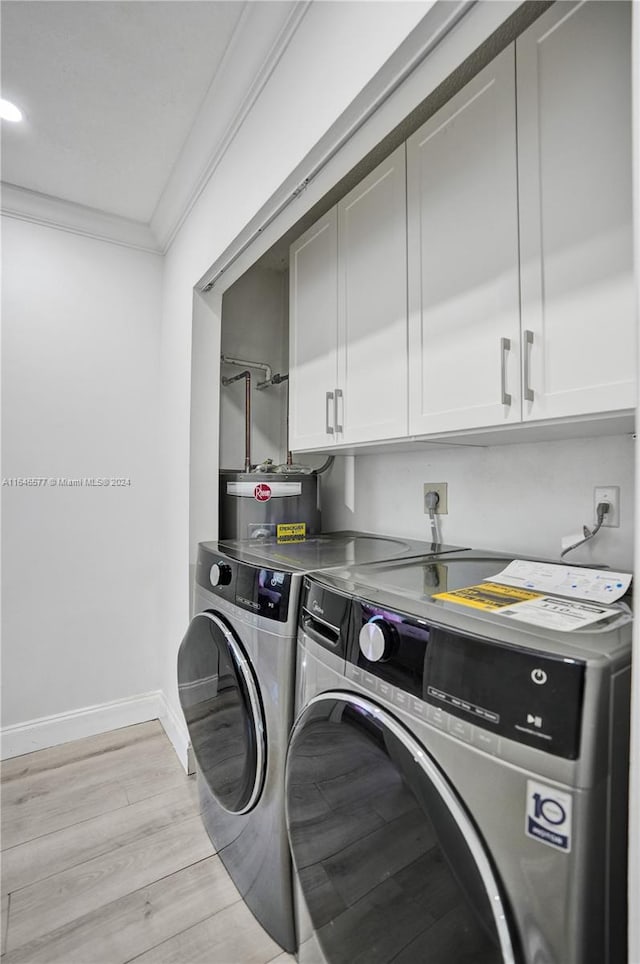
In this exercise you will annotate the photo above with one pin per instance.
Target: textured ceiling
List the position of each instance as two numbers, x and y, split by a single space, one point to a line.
110 92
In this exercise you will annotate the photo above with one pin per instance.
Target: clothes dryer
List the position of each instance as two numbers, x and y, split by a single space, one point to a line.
236 667
456 783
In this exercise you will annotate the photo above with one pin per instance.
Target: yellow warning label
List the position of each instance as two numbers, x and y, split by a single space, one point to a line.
291 531
488 595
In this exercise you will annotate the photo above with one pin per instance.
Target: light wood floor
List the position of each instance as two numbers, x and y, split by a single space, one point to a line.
105 859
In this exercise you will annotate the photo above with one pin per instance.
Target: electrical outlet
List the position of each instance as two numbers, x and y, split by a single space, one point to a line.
610 494
441 488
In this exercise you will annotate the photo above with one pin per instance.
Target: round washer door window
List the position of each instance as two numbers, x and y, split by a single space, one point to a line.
221 704
391 866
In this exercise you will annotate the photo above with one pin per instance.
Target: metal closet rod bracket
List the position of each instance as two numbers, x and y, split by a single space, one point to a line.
243 363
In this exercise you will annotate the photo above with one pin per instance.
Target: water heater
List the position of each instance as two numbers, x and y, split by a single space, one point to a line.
255 505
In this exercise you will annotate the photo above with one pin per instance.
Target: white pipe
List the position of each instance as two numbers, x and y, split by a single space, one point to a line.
243 363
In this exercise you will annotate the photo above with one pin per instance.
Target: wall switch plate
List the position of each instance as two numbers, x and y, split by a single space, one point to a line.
441 488
610 494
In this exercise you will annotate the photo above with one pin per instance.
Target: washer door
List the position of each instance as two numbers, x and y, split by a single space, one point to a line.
389 862
222 707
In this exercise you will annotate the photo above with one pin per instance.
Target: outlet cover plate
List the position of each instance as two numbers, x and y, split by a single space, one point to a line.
610 494
441 488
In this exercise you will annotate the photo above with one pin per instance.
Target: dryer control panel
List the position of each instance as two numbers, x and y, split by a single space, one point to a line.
264 592
518 693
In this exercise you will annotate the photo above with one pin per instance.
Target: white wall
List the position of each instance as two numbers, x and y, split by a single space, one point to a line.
203 444
80 400
518 497
255 327
334 53
634 798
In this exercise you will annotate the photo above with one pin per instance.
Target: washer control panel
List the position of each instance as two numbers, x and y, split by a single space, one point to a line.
265 592
508 690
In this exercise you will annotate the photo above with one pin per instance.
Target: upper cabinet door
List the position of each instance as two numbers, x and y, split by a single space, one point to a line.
372 306
313 326
574 150
464 313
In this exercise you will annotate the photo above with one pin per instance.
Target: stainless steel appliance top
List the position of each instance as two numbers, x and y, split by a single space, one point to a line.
411 585
331 549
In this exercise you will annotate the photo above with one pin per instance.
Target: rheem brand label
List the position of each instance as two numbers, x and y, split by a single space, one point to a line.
548 816
262 492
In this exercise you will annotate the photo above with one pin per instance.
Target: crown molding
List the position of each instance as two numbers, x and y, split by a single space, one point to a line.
257 45
258 42
25 205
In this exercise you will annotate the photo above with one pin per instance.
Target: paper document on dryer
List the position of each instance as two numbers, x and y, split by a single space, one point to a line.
596 585
560 614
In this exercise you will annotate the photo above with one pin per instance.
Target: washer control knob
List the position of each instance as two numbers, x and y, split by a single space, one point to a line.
220 574
376 640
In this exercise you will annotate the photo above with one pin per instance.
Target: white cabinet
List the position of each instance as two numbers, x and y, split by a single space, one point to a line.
313 339
519 269
464 312
482 353
372 306
348 317
574 151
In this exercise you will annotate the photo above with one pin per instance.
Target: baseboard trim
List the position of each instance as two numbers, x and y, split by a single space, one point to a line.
90 720
87 721
176 729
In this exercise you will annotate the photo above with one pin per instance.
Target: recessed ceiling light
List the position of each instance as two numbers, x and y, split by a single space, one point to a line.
9 111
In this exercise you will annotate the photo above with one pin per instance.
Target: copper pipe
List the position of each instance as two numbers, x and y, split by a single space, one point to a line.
247 422
247 414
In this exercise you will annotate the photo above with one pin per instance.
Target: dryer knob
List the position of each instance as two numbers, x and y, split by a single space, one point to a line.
219 574
376 640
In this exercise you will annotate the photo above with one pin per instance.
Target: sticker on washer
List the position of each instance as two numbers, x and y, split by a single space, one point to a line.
291 531
548 816
487 595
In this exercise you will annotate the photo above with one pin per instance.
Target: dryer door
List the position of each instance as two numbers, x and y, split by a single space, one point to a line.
221 704
389 862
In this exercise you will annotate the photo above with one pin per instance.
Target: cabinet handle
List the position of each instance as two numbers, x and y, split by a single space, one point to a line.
505 348
329 398
528 342
338 394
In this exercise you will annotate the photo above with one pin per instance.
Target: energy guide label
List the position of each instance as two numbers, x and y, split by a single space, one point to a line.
489 596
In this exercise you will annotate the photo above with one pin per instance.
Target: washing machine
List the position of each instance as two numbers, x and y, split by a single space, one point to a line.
236 667
456 782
